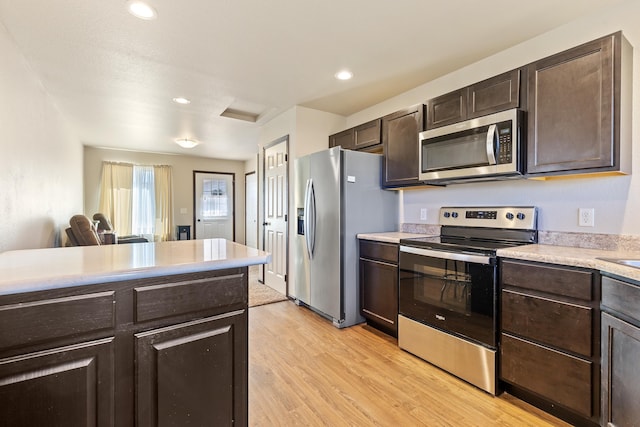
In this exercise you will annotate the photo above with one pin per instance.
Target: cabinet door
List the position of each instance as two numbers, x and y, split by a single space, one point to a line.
620 372
67 386
379 293
498 93
193 373
367 135
401 147
571 101
344 139
447 109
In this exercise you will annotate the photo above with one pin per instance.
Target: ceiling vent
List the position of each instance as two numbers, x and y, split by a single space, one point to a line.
240 115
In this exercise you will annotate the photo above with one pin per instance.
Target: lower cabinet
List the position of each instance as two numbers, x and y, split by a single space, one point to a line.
620 352
66 386
191 373
549 338
379 285
160 351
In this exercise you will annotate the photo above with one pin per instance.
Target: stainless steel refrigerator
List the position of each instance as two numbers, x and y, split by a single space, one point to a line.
338 195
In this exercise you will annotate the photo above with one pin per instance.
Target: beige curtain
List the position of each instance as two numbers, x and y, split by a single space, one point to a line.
164 202
115 195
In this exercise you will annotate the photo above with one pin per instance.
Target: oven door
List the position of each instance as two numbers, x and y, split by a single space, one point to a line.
453 292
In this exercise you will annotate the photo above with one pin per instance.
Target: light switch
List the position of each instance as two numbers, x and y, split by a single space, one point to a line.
183 211
351 178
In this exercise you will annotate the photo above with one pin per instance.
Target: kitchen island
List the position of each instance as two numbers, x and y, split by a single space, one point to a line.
138 334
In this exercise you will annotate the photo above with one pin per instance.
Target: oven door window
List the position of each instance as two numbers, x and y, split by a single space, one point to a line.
454 296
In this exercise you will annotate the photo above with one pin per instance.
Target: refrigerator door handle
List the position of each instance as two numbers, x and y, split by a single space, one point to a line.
309 218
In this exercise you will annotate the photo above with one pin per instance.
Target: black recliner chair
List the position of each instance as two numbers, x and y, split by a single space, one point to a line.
105 225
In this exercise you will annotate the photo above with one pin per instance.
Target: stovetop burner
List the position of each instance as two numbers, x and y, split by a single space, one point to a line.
481 230
488 247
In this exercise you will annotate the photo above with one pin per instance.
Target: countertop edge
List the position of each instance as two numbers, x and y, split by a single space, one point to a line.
575 257
389 237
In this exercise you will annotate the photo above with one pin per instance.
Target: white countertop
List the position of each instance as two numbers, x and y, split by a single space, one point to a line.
40 269
577 257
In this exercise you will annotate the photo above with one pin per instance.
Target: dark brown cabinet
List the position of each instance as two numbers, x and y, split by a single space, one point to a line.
362 137
498 93
400 130
620 352
64 386
187 374
575 104
379 285
167 350
549 338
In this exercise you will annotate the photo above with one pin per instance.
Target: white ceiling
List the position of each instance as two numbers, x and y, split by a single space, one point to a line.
113 76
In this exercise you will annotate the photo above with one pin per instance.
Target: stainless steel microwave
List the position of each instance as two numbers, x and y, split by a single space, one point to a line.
481 149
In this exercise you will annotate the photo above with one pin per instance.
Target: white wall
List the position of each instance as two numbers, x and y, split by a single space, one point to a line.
616 199
40 159
183 167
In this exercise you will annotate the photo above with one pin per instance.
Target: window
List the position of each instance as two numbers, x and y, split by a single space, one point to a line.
143 206
138 199
214 199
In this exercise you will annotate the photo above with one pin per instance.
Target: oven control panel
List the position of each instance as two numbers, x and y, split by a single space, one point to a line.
517 217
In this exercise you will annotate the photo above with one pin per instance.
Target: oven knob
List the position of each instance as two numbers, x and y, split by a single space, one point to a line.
521 216
509 216
454 214
446 214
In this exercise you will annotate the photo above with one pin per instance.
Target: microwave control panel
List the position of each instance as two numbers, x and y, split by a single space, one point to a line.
505 143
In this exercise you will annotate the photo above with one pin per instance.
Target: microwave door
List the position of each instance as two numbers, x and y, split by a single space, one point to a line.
448 154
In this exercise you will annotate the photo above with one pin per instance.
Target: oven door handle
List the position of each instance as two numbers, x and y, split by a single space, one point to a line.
456 256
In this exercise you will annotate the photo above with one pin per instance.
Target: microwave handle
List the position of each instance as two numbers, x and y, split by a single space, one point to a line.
491 146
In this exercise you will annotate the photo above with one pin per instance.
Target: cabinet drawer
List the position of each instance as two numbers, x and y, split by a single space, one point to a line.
31 322
178 298
559 324
557 280
379 251
621 297
564 379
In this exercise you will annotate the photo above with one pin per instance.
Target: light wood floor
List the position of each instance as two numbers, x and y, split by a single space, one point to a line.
305 372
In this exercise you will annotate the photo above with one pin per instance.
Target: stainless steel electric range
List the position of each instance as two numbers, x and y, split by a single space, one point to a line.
448 289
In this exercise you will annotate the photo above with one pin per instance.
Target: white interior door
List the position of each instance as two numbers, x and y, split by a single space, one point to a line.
251 210
275 215
214 201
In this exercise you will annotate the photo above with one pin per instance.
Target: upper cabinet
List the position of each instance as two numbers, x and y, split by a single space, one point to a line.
363 137
498 93
400 145
579 102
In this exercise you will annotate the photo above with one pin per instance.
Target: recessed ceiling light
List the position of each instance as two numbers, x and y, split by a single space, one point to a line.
344 75
181 100
186 143
141 10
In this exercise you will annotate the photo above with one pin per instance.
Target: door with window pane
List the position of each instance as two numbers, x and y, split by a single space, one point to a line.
214 201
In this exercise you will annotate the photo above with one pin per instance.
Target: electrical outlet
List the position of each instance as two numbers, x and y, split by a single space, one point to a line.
423 214
586 217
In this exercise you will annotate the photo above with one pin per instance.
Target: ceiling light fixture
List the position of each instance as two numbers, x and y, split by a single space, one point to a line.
181 100
186 143
344 75
141 10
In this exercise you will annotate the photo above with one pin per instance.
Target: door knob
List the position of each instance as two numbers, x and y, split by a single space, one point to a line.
266 223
